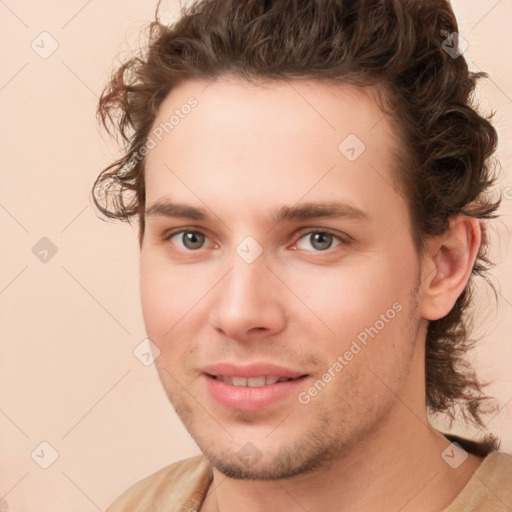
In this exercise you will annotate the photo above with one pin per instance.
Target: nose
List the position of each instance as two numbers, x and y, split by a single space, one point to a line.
248 302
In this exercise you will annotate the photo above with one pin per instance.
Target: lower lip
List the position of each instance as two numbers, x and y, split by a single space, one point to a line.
242 398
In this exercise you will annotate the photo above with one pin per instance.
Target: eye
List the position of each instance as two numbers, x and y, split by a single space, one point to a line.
190 240
320 240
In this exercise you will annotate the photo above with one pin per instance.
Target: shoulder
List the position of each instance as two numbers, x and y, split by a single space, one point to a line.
181 485
490 488
497 466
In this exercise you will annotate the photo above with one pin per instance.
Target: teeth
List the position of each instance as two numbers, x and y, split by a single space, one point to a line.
239 381
252 382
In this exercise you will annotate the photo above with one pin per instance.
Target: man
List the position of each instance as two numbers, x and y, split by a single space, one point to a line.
311 183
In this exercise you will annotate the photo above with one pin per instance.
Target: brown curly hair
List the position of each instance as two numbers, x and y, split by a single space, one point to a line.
397 47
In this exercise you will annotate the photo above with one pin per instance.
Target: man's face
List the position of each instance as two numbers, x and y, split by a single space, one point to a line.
238 296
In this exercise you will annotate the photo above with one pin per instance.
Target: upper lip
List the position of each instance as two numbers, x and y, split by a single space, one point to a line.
251 370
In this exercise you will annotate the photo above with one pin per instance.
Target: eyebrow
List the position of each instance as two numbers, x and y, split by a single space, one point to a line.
304 211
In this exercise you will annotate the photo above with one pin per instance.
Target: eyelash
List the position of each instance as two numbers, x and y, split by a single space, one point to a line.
344 240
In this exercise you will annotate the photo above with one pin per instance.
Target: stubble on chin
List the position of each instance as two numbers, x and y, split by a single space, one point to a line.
312 451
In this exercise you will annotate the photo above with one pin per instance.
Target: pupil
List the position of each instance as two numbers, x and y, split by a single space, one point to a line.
193 240
324 239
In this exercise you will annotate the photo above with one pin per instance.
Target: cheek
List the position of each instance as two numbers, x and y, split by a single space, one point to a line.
151 296
160 294
165 306
361 308
175 307
352 297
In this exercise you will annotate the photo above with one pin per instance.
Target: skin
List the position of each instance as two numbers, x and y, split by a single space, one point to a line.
364 442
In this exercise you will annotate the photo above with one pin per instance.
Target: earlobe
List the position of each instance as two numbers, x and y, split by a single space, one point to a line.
450 259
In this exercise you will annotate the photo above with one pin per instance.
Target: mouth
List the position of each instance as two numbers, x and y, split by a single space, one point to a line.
252 382
252 387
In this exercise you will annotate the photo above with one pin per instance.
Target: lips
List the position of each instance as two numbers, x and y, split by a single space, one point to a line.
250 382
252 370
251 387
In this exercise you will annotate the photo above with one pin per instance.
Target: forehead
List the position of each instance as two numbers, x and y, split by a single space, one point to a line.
245 145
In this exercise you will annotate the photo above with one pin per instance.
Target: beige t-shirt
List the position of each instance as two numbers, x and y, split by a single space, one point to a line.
182 487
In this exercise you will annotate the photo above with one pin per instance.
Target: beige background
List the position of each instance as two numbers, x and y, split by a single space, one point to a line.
69 325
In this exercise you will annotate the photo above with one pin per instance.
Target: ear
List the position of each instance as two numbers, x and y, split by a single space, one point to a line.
447 266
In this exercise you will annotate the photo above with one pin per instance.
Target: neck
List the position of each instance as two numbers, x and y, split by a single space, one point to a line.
406 474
